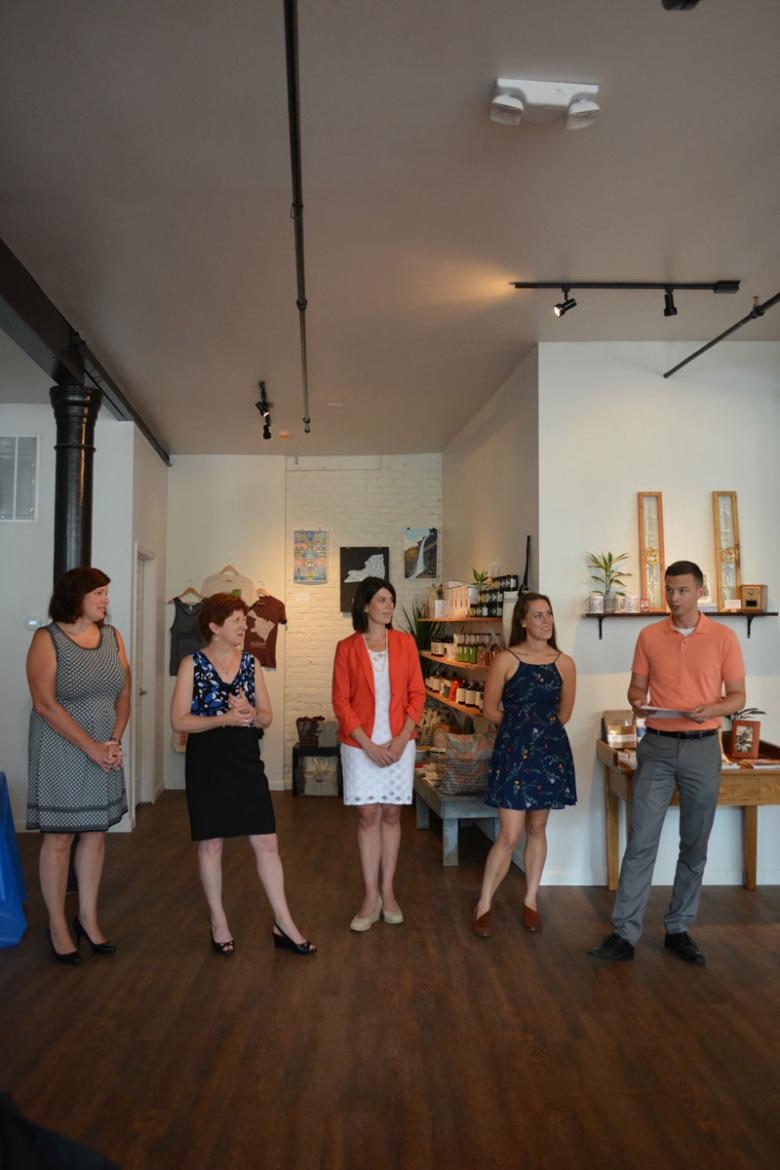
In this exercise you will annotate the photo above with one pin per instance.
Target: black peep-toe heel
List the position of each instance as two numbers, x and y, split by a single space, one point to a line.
283 942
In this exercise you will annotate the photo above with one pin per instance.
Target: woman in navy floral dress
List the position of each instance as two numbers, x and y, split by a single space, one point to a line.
532 770
221 701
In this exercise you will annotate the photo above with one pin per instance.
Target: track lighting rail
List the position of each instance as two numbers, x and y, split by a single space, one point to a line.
756 311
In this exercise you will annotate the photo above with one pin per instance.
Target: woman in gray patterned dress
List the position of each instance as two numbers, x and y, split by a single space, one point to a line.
80 685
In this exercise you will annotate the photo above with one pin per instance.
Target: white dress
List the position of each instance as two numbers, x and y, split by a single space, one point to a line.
364 781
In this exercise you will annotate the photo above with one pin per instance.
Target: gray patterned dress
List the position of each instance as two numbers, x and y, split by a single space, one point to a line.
67 792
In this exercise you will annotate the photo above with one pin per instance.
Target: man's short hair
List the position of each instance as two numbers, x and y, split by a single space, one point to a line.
683 568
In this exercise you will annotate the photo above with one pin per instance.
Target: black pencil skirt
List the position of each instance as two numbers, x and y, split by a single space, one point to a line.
227 789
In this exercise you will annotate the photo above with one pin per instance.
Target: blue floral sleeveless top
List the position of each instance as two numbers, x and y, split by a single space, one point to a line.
210 693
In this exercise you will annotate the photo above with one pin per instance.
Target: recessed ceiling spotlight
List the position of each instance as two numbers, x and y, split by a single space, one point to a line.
670 309
334 403
562 308
283 434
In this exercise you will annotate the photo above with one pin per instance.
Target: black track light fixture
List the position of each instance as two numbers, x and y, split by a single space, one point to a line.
567 303
670 309
264 408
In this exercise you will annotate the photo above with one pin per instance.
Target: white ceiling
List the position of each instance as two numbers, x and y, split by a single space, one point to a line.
145 182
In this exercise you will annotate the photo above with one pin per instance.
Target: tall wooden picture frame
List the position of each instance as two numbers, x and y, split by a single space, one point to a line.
728 569
651 547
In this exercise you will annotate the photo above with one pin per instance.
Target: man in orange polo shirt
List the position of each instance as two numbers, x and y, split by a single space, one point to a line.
692 666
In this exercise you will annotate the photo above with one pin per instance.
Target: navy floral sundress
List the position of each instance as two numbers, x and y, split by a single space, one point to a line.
532 765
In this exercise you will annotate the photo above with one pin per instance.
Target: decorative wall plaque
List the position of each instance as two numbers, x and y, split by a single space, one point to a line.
728 575
651 548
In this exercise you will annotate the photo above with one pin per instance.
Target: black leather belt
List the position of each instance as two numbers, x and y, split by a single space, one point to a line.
683 734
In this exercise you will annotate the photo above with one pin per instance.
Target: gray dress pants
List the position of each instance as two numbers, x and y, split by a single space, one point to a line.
663 762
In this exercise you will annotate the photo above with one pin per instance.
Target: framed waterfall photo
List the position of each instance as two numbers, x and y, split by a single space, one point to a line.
421 552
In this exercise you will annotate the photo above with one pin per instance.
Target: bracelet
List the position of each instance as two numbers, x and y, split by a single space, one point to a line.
113 739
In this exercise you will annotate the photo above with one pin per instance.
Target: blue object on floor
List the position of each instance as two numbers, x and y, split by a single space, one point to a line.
12 892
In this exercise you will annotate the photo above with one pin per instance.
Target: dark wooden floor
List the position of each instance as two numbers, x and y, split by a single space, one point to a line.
409 1047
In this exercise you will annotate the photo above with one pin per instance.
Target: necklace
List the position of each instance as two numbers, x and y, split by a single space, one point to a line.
376 653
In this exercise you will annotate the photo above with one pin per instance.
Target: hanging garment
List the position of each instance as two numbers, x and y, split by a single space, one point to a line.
229 580
262 626
185 635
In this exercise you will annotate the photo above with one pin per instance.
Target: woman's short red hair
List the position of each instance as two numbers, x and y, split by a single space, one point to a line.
216 610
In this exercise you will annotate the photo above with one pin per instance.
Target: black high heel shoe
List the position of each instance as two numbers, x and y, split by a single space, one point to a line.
283 942
104 948
225 948
69 958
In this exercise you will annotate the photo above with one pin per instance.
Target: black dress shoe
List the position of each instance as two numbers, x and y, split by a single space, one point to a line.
614 947
69 958
283 942
104 948
683 945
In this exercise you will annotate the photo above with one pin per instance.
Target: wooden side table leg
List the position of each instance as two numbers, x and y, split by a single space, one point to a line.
423 813
612 813
449 841
749 845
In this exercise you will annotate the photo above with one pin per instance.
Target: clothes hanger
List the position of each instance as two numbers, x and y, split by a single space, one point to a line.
183 594
226 570
260 589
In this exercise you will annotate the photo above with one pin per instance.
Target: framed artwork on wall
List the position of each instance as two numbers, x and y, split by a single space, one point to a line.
421 552
728 572
357 563
310 556
651 548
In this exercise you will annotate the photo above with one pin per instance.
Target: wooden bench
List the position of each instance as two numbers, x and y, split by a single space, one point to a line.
451 810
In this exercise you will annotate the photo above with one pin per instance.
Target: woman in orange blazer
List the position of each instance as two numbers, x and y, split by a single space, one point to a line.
378 697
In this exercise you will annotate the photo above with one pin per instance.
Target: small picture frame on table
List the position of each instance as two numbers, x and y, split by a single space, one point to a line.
745 735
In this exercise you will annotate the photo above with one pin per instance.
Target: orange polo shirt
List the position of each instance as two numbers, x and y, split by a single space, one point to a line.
686 671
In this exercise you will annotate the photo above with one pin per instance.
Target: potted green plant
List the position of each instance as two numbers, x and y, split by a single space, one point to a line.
420 627
481 579
608 576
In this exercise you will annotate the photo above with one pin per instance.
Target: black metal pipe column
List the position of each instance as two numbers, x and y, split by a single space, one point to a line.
75 410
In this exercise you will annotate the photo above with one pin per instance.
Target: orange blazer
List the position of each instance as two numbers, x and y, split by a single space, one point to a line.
353 685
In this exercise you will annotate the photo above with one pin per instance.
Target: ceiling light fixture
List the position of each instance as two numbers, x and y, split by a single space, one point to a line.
670 310
573 102
567 303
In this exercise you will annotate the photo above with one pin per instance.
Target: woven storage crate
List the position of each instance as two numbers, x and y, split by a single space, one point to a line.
308 730
320 775
328 733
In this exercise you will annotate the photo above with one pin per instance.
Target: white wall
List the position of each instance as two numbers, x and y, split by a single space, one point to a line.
490 479
228 509
610 426
26 565
366 500
26 554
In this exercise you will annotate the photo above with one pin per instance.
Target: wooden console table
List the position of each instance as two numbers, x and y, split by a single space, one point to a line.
745 789
452 810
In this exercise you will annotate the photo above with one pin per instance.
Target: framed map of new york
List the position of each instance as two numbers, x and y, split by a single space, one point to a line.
357 564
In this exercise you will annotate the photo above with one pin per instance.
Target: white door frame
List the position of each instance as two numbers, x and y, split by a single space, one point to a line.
143 735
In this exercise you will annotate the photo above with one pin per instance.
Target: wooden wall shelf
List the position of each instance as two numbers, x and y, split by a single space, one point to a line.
436 621
655 613
451 661
472 711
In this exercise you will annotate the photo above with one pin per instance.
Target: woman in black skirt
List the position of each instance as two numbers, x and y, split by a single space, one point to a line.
221 701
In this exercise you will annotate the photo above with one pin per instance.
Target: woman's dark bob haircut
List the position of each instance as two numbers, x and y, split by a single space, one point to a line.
67 599
364 594
519 633
216 610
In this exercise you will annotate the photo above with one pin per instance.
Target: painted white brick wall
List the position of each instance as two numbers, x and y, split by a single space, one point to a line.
365 500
